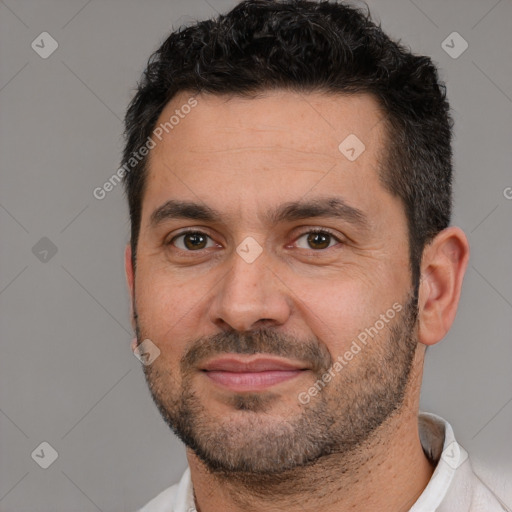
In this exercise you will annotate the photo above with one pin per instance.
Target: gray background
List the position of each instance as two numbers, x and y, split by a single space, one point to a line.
68 376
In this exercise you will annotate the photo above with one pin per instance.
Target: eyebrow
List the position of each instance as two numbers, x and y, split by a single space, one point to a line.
330 207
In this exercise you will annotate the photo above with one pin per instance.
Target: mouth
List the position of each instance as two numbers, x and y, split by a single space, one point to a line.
251 373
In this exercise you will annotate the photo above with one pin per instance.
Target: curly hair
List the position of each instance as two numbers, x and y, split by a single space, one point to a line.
308 46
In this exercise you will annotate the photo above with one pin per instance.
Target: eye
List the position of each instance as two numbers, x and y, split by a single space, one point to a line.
191 241
318 239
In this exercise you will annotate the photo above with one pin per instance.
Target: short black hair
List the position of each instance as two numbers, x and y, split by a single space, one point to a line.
310 46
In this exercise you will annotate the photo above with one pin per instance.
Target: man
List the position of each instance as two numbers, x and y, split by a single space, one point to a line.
288 172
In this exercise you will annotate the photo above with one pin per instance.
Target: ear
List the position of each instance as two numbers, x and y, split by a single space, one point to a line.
128 267
443 266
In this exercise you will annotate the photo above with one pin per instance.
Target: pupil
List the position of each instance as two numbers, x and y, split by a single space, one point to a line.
194 240
314 238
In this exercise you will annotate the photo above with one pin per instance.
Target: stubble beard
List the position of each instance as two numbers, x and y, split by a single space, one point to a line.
338 421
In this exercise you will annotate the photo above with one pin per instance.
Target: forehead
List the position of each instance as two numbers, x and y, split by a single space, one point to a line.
280 144
282 119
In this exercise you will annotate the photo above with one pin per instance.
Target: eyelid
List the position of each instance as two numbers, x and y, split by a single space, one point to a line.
328 231
317 229
200 231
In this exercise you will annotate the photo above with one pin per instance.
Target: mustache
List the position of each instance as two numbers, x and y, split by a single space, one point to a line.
263 341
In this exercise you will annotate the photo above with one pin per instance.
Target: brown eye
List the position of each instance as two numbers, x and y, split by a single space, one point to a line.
191 241
318 240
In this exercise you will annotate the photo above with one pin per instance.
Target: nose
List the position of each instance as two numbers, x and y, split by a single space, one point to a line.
250 296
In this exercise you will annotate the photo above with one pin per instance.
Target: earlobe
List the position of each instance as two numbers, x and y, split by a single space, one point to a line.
443 265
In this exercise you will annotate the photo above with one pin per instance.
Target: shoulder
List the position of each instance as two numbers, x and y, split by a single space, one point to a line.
176 498
454 484
163 502
482 498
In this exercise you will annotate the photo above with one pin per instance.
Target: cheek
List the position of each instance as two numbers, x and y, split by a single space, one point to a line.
336 314
164 309
339 310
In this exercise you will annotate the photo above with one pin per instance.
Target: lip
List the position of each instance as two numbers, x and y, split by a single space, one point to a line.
251 374
254 364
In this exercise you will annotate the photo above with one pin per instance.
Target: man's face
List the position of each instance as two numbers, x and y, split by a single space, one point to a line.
253 283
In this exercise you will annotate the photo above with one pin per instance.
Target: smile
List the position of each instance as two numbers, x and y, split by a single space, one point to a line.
252 374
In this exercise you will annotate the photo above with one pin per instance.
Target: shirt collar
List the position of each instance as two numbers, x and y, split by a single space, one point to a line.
439 444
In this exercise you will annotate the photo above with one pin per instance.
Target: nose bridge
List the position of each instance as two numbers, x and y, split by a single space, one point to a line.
249 293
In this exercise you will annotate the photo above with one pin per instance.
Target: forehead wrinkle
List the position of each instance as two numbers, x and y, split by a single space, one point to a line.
272 149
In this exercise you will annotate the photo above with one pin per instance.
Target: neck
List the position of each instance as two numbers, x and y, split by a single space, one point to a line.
387 473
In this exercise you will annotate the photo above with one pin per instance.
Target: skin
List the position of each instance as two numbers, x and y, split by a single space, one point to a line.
244 157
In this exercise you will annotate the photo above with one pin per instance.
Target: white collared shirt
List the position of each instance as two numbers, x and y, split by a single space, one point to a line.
454 487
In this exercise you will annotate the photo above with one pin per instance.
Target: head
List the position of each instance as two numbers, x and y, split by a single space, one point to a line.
277 117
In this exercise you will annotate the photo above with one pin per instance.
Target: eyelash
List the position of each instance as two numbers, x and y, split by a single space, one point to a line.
324 231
